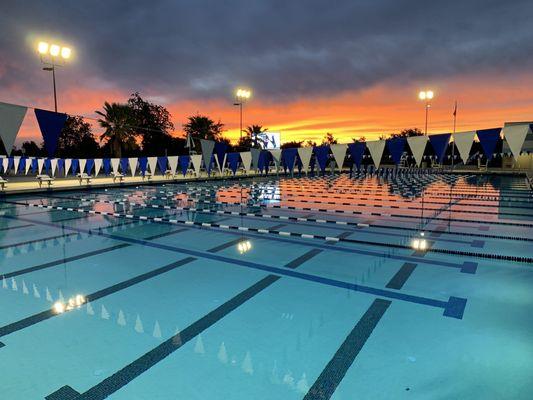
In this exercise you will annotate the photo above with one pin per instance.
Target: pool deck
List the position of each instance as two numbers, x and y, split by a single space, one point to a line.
29 184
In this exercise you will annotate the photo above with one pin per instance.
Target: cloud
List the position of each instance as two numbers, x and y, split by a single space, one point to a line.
283 50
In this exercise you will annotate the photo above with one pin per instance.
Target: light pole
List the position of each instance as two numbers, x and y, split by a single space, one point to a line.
426 95
52 56
241 95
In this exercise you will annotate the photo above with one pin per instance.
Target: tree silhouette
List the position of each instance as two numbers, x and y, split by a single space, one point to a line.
253 138
203 127
118 120
76 139
329 139
152 123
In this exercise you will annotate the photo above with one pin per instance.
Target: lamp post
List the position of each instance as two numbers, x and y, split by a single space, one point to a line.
426 95
52 56
241 95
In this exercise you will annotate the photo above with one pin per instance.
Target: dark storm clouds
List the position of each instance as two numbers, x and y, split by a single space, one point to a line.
282 49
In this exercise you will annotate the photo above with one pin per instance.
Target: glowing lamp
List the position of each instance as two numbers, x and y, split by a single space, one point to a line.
54 50
42 47
66 52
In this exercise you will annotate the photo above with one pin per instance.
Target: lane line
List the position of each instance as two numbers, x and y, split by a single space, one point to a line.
88 254
303 258
399 279
453 307
47 314
326 384
142 364
305 236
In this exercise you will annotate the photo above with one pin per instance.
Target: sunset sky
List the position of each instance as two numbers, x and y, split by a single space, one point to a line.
349 67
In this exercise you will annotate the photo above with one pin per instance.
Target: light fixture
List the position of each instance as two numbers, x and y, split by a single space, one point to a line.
243 94
65 52
42 47
426 95
54 50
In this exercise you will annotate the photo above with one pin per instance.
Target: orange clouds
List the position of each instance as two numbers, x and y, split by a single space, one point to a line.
484 101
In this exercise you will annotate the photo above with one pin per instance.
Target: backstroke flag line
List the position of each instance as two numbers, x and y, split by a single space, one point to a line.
11 117
417 144
305 156
50 124
515 135
463 141
376 151
339 153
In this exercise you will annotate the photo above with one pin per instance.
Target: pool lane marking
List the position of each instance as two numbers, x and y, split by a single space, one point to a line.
292 199
378 196
335 371
303 258
9 228
276 227
142 364
331 376
339 225
226 245
299 219
399 279
341 237
377 193
282 237
77 257
47 314
7 246
351 212
453 307
68 393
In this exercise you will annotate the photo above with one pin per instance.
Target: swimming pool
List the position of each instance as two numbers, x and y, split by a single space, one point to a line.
371 287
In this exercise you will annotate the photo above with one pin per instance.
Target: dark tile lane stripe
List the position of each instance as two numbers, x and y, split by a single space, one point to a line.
7 246
453 307
325 246
336 369
68 393
224 246
72 218
82 256
9 228
142 364
276 227
417 256
44 315
303 258
399 279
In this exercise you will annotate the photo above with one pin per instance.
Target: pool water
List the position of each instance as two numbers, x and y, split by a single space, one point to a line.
414 286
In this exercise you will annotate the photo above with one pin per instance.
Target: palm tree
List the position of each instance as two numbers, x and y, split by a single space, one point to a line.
329 139
253 137
118 121
203 127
